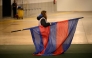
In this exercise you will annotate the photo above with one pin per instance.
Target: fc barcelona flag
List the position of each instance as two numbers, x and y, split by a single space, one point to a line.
55 39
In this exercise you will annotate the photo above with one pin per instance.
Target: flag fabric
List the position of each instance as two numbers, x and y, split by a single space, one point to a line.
55 39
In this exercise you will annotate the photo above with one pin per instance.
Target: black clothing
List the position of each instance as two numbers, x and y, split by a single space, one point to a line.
44 23
14 5
39 17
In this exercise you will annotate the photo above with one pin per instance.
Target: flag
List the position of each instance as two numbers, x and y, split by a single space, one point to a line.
55 39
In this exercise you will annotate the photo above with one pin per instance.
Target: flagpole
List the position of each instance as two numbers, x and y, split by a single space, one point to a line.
20 30
78 18
31 27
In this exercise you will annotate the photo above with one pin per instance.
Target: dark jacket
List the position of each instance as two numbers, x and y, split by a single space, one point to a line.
14 6
43 21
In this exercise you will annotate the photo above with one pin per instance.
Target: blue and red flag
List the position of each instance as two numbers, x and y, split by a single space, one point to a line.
55 39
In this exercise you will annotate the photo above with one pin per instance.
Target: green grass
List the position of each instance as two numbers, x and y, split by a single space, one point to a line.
26 51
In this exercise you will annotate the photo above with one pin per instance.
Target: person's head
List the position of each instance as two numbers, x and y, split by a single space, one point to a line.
44 14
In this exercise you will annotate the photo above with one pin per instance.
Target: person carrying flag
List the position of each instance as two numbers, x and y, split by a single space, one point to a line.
52 38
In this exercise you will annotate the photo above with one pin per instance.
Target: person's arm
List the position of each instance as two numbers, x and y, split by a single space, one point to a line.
43 23
39 17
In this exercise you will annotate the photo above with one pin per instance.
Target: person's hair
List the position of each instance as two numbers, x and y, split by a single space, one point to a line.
14 1
44 14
